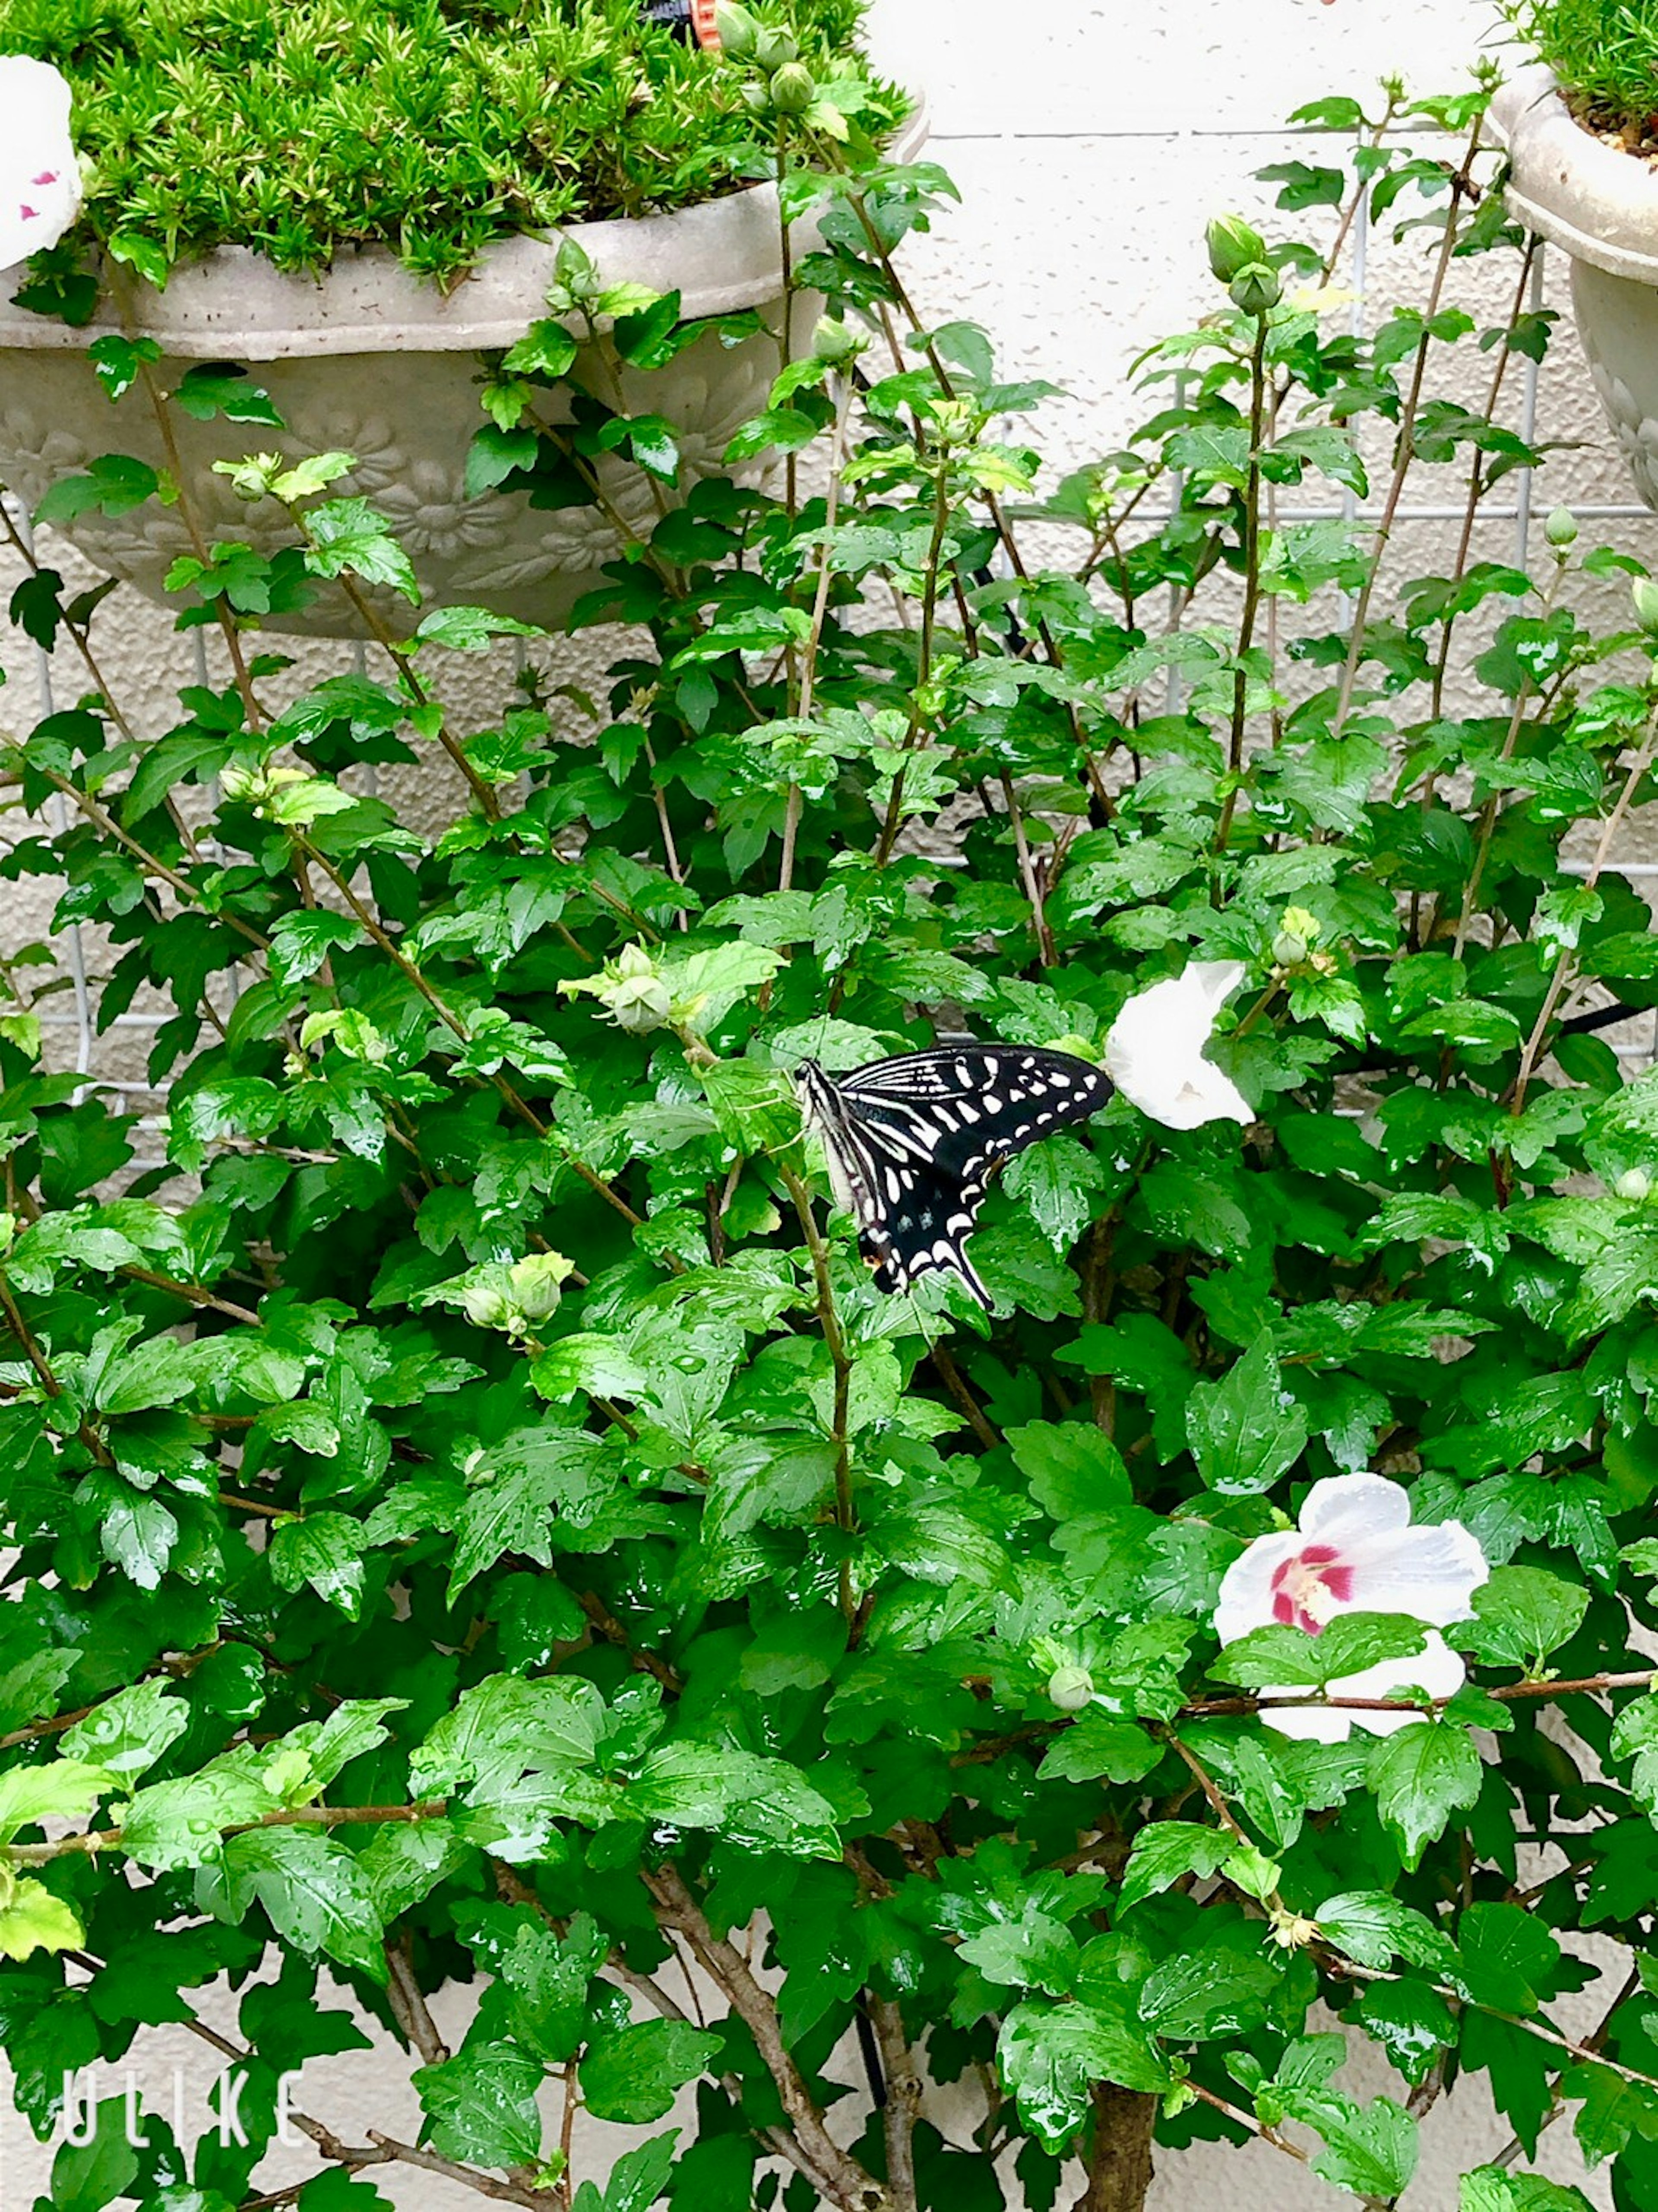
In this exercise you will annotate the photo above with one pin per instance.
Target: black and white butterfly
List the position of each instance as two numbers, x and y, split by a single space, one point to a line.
912 1143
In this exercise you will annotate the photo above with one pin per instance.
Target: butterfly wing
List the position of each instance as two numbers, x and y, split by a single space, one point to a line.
921 1136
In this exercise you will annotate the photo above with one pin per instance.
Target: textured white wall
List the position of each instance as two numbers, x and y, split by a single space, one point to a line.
1092 139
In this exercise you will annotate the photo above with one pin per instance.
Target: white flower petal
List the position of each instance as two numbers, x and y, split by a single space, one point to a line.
40 178
1246 1592
1154 1053
1306 1723
1430 1573
1347 1509
1436 1669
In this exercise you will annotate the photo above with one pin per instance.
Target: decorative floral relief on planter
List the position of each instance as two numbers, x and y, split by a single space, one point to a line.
410 443
1599 207
1637 433
368 359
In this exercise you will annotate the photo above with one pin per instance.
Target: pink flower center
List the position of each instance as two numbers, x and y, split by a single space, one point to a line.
1309 1588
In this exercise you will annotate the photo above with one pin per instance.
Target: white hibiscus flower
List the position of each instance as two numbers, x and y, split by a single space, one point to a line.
1155 1051
40 178
1355 1552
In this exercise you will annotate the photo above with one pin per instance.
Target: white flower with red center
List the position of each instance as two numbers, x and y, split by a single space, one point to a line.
1155 1051
40 177
1356 1550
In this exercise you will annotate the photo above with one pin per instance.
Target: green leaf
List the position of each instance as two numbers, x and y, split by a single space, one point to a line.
760 1803
1368 2150
118 362
113 485
634 2075
86 2176
179 1824
1521 1615
34 1919
470 629
1219 1987
496 453
503 1725
1096 1748
1050 2054
1073 1468
1412 2024
1635 1736
1245 1430
1375 1928
637 2179
129 1732
481 2104
1508 1958
313 1888
1034 1951
1421 1775
1494 2189
348 538
61 1789
325 1550
1166 1850
1277 1656
546 348
218 388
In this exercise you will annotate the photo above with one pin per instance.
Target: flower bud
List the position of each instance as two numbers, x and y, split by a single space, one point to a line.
836 342
1297 934
1234 244
794 88
534 1286
1561 528
1643 597
773 47
738 31
252 476
246 787
1071 1688
486 1306
1634 1185
634 995
1256 289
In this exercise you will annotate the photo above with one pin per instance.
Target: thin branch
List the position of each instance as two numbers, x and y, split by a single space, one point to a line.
1642 1678
409 2004
1405 449
91 1841
1528 1058
840 1360
903 2101
847 2184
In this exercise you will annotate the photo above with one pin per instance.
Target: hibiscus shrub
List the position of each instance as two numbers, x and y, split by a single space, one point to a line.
473 1517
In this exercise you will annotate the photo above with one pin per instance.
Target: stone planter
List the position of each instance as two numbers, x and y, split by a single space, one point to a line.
1601 207
370 361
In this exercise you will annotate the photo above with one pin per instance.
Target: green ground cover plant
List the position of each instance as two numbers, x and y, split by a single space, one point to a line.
471 1515
1605 52
435 127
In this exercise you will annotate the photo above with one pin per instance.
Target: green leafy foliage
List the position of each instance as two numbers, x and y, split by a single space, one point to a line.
474 1527
1603 53
517 116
